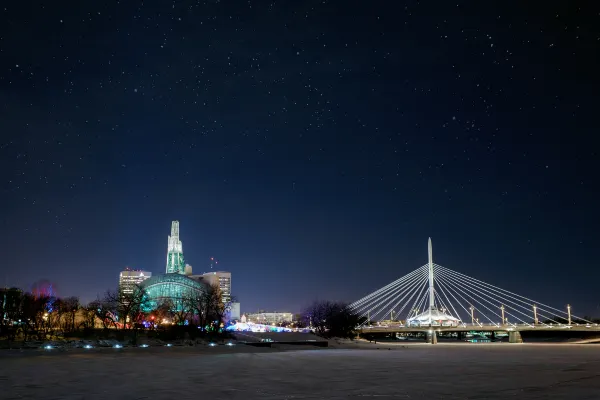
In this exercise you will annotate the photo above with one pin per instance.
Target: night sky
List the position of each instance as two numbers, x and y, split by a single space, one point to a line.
312 147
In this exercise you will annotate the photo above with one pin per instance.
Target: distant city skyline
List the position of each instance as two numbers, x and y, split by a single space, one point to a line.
170 248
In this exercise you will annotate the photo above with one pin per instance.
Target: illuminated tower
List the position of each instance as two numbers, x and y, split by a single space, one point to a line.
175 263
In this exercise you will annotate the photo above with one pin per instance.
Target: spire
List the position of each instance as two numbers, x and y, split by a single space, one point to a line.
431 290
175 229
175 263
430 253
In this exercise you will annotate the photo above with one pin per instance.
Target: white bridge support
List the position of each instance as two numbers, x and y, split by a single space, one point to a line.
433 298
431 289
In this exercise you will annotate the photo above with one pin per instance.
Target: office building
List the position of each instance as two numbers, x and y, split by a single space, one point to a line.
270 318
129 279
222 279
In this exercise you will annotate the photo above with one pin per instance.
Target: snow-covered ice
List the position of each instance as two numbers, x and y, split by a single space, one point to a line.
241 372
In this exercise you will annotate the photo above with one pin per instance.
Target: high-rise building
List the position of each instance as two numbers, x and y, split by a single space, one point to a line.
129 279
175 262
219 278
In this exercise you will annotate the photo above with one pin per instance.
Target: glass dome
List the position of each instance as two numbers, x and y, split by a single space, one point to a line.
170 286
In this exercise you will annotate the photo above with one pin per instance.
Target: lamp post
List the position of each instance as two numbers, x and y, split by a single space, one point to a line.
535 318
502 309
569 312
472 315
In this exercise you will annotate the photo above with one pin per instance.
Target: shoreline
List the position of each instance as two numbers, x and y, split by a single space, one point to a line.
221 349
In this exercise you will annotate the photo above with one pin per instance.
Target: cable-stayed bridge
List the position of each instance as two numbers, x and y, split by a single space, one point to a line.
434 299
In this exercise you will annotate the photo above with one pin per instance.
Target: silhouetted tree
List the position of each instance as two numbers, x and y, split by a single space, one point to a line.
200 306
209 307
163 311
104 312
34 316
331 319
183 308
70 306
125 309
89 316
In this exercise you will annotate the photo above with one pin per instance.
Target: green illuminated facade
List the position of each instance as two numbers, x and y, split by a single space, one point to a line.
175 262
173 285
169 287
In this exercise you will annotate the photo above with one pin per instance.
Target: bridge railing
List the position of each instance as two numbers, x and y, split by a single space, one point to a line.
481 325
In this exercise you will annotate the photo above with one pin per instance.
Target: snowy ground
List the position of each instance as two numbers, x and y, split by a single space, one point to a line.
461 371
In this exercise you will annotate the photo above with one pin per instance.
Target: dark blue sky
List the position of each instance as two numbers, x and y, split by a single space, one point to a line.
312 147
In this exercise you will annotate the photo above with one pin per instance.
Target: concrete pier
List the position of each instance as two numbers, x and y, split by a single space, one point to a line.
432 337
515 337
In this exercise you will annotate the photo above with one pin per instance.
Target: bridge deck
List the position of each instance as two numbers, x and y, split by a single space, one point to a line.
481 328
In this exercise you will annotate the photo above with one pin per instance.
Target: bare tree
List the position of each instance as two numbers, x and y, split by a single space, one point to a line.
209 307
89 316
53 320
199 304
163 311
70 306
126 309
34 315
182 308
105 312
331 319
220 306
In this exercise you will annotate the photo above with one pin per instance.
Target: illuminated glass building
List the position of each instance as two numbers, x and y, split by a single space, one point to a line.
172 287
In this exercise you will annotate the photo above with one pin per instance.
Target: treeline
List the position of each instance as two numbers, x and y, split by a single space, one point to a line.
37 317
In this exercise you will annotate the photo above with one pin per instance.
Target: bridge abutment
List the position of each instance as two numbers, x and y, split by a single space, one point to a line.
515 337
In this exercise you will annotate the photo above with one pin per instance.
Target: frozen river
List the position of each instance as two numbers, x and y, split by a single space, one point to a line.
411 372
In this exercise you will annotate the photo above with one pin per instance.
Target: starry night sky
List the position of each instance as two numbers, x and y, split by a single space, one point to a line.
310 146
